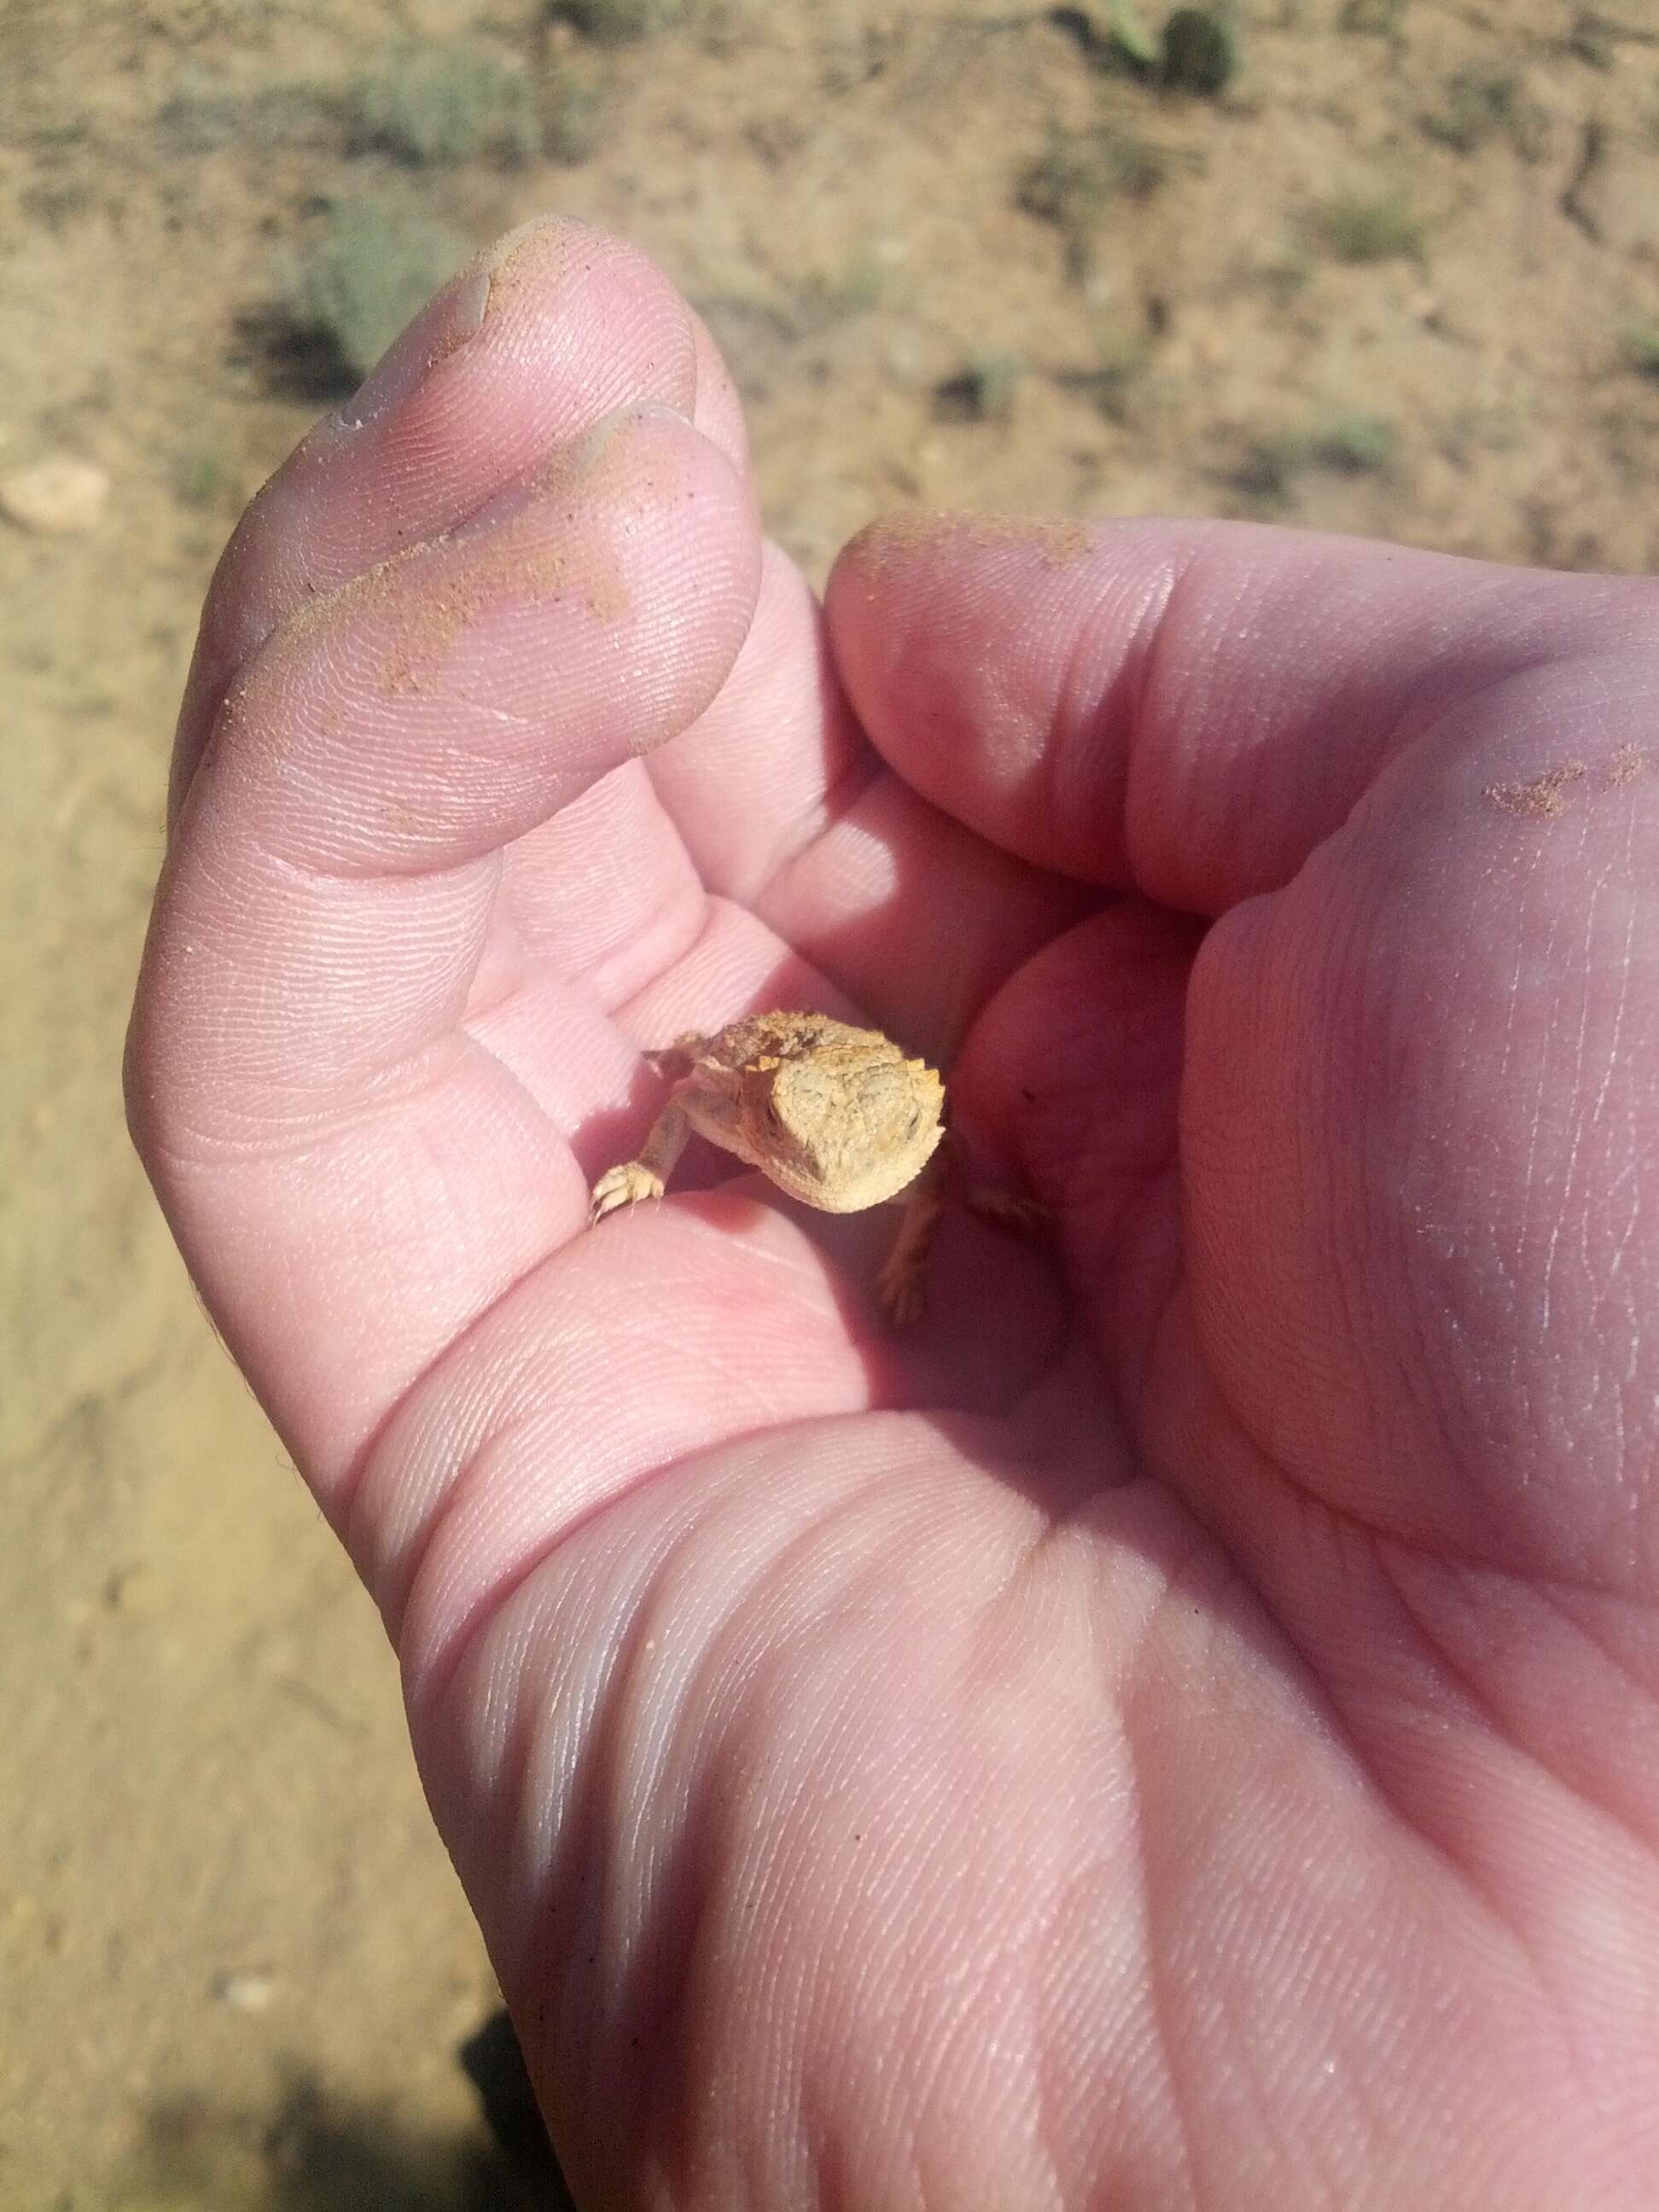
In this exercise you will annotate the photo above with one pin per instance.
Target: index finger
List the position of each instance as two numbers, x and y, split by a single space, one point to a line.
1184 708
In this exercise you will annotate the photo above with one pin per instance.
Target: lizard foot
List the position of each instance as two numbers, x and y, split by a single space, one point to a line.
623 1186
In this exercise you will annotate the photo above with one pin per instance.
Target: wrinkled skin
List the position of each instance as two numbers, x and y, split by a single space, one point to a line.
1177 1728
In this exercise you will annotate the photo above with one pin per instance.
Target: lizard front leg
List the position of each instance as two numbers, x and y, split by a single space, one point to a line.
644 1177
901 1287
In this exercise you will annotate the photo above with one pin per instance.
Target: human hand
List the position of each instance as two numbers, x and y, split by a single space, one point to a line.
1176 1727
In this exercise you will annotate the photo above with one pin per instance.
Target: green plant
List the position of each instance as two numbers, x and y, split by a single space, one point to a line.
1130 36
361 277
1072 184
198 117
830 296
1474 109
1382 18
1353 444
572 116
1344 445
1592 39
1122 47
438 104
1201 53
55 206
203 116
1121 354
204 478
1265 471
615 22
1372 226
981 390
1640 348
1288 276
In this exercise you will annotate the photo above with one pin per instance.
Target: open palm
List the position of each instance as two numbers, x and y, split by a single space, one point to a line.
1175 1728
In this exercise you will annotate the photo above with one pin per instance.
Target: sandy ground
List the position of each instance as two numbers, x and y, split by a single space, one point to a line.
236 1964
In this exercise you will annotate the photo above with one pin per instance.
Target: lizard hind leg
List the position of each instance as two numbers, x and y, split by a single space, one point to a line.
1008 1209
901 1284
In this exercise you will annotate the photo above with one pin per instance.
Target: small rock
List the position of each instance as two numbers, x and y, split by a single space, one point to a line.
59 495
245 1992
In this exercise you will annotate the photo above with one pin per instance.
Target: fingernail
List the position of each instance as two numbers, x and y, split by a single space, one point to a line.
443 326
577 456
566 466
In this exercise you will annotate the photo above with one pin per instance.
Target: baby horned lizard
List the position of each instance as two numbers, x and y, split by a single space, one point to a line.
835 1117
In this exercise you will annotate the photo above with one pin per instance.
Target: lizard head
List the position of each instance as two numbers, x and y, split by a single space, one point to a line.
842 1127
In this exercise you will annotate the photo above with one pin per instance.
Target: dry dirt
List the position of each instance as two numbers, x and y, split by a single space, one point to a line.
236 1964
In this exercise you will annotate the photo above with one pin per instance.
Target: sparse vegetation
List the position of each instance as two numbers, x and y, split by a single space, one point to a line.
1120 357
1592 39
369 269
437 104
831 295
1344 445
1640 348
757 326
1076 179
1288 276
1382 18
56 205
1476 108
1473 109
1353 444
203 116
615 22
1266 473
1201 53
428 103
1122 47
197 120
1131 35
572 116
981 390
1363 227
204 478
